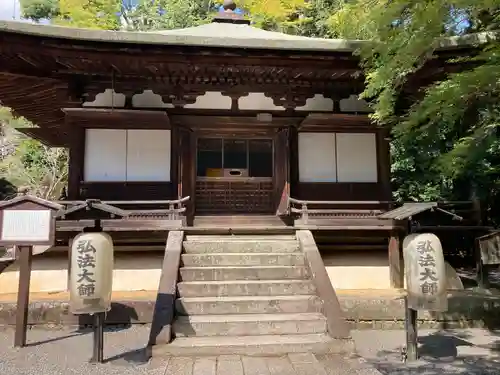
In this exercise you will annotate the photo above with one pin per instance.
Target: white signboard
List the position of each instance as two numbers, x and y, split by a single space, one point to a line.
26 225
425 272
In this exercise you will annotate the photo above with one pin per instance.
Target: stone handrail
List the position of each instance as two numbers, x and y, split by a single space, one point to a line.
337 326
164 311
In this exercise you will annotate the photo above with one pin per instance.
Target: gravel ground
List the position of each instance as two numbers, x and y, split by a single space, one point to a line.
66 351
457 352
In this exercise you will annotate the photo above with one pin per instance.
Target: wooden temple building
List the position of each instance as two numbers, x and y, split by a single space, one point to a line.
215 130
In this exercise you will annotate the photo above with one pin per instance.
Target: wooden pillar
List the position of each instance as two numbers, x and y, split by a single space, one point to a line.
76 161
396 263
294 161
187 171
384 164
175 142
282 171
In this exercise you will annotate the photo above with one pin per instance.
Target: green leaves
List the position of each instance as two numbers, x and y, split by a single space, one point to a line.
446 137
43 170
168 14
39 9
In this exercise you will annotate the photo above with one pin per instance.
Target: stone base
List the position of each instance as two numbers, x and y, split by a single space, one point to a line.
272 345
140 271
364 309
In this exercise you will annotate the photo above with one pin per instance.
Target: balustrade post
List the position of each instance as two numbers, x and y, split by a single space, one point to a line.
305 214
171 209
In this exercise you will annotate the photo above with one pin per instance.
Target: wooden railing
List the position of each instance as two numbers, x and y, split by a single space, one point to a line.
337 209
146 209
367 213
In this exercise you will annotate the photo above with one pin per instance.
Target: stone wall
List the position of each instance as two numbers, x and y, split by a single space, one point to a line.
136 271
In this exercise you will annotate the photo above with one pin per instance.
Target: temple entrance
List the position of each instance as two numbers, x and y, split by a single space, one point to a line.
234 175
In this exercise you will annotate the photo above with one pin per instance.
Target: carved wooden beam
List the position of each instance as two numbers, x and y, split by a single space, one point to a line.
179 96
289 100
235 95
285 93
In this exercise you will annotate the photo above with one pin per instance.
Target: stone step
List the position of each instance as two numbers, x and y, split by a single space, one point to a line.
248 305
243 259
240 237
225 273
273 345
223 245
249 324
245 288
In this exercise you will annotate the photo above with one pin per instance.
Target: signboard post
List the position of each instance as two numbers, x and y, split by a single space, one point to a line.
425 283
91 267
25 222
91 278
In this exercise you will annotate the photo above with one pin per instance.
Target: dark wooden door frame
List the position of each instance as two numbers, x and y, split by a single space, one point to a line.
282 170
244 135
187 171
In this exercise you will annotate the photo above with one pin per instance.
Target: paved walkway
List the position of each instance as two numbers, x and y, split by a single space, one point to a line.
442 352
292 364
64 351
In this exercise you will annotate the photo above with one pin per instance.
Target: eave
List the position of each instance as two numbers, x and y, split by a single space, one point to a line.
119 118
49 137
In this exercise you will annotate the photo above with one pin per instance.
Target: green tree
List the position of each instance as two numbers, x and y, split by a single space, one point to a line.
168 14
40 169
293 16
311 19
90 14
446 139
39 9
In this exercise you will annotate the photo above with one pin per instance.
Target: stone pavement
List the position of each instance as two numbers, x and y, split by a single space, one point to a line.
442 352
66 351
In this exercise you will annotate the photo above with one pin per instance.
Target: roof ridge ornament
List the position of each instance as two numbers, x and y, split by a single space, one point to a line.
229 15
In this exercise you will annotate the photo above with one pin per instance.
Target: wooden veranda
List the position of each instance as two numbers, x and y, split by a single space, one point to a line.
160 216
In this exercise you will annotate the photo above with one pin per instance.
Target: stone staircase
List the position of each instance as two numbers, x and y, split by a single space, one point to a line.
247 294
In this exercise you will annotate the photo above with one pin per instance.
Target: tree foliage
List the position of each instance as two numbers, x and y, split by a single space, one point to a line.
90 14
446 142
39 9
41 170
293 16
167 14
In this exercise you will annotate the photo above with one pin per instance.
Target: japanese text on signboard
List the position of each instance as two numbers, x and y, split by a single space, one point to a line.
428 280
425 272
86 261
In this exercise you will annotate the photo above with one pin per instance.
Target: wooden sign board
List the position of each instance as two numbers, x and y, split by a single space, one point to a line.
490 249
27 221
